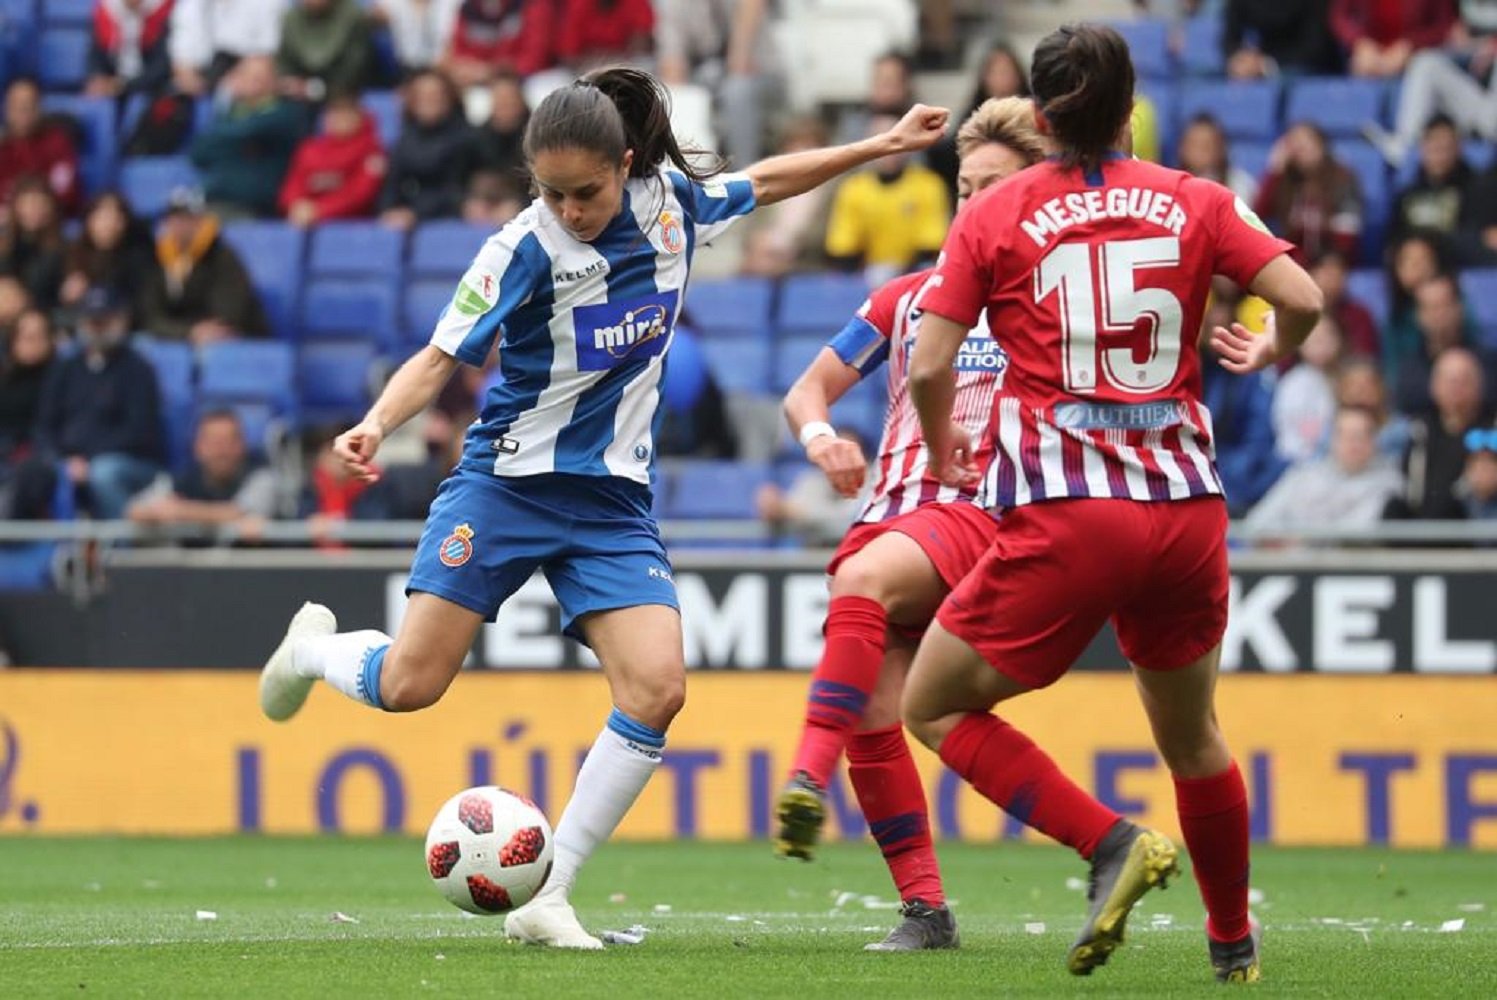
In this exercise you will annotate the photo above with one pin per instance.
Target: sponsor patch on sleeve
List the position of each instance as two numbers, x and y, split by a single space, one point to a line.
1247 215
477 293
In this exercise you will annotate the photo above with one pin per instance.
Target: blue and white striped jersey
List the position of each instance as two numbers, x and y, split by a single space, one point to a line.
583 328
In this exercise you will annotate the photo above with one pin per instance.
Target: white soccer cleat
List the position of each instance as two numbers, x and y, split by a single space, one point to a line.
282 690
549 920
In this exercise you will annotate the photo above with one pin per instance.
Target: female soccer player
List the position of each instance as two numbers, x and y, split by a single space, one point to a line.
913 542
582 291
1096 268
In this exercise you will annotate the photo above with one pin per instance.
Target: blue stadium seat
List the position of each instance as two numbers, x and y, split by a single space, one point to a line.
1165 97
730 307
1149 42
445 248
173 361
424 302
1369 286
863 410
62 58
819 303
19 10
334 380
740 365
74 12
27 566
1479 287
1201 51
709 489
362 309
349 249
1251 156
99 154
1362 159
1246 110
147 181
272 253
248 371
792 355
1339 105
384 105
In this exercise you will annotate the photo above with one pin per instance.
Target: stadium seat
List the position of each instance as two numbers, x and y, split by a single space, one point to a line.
249 371
19 10
1201 51
99 152
27 566
74 12
62 58
1369 286
1359 156
740 365
1165 97
147 181
334 380
819 303
272 253
863 410
173 362
350 249
1149 42
730 307
1246 110
445 248
1479 288
1339 105
709 489
424 302
792 355
1251 156
384 105
363 309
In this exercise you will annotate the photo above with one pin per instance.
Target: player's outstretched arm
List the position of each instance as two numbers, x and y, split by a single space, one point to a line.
1297 303
412 388
933 389
808 407
790 174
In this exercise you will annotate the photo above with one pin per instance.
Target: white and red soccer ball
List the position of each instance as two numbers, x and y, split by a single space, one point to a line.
489 850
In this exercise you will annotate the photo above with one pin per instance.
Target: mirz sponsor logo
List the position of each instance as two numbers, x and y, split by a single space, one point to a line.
613 333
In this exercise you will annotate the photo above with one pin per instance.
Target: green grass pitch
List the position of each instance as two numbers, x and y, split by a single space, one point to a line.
119 917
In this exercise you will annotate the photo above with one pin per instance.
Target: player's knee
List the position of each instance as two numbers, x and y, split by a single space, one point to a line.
862 577
655 700
1198 752
403 689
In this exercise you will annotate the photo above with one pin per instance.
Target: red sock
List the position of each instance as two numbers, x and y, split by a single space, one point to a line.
893 801
1214 817
1006 767
841 683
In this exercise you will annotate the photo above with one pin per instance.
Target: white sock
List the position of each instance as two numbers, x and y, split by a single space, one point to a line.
617 769
349 661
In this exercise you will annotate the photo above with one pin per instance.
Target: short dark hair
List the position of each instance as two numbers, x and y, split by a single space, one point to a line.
1440 120
219 413
1083 81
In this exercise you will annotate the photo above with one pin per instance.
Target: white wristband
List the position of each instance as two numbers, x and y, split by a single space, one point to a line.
815 429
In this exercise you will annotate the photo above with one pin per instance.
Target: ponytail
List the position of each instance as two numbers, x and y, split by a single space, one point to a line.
609 111
1083 80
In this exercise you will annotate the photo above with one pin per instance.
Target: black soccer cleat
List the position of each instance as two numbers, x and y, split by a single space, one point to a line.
924 928
1237 961
1128 862
801 810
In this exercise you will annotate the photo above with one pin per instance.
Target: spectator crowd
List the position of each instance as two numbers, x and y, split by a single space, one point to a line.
127 263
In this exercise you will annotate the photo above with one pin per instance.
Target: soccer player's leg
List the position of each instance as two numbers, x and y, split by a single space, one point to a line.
892 797
623 604
459 577
888 579
1172 635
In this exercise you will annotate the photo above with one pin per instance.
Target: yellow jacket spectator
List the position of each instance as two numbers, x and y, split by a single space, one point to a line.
888 218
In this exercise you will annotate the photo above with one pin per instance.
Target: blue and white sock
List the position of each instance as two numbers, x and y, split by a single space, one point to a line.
617 769
349 661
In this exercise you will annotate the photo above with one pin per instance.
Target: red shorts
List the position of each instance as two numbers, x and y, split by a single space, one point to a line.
953 537
1058 570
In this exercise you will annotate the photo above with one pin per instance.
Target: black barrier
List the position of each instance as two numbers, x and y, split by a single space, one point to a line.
1354 614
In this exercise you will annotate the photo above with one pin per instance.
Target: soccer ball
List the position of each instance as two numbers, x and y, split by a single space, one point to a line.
489 850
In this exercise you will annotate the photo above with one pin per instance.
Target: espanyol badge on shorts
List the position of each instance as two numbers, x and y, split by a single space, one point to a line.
456 548
672 236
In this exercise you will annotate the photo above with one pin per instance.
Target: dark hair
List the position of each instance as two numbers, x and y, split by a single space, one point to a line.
1207 120
1083 83
219 413
449 86
607 112
999 50
1440 120
1358 409
1400 299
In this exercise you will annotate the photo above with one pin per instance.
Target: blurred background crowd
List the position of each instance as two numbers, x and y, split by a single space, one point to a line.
224 222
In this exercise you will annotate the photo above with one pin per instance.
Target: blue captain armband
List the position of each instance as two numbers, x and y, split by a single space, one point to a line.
860 345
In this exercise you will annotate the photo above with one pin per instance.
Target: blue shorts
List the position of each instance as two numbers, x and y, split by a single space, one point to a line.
593 538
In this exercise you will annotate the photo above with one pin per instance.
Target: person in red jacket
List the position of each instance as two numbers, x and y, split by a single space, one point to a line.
599 31
490 36
338 174
1379 36
32 147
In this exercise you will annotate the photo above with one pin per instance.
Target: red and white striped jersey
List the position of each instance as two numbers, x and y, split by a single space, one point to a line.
885 329
1099 282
